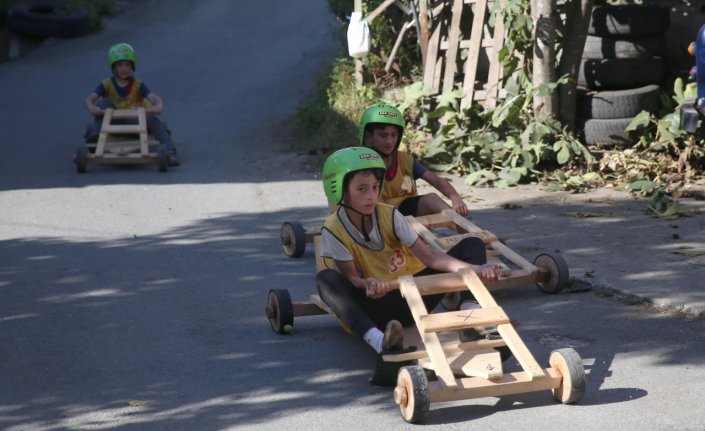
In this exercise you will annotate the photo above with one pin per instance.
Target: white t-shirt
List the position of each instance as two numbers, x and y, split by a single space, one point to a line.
331 247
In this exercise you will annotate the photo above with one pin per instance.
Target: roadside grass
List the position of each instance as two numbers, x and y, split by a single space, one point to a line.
327 120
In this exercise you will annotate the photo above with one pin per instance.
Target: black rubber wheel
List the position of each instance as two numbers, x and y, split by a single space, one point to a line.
41 19
618 103
605 133
162 158
412 394
570 366
557 268
624 47
620 73
633 19
280 311
293 239
81 159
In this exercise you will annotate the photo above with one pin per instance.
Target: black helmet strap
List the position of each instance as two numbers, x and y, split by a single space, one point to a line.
364 230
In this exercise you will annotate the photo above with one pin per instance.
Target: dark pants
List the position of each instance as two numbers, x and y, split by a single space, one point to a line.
409 206
154 126
361 313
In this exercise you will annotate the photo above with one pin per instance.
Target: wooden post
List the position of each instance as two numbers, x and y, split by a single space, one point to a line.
453 45
358 62
478 22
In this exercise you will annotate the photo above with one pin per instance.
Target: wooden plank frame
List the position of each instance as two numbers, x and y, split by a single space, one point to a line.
440 71
114 144
510 254
446 365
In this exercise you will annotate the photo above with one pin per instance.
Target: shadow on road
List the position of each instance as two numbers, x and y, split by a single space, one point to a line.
165 343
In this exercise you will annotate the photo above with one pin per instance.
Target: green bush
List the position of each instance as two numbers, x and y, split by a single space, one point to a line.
329 118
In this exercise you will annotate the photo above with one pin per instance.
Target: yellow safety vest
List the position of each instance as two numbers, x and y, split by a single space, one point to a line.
134 97
393 261
403 184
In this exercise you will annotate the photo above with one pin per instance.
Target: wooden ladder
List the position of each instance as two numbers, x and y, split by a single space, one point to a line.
110 146
485 364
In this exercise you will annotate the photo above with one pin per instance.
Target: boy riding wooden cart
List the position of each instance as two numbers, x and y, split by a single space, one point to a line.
374 272
123 143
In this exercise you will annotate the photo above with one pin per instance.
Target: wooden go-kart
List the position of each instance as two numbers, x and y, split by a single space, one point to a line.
123 143
549 271
457 370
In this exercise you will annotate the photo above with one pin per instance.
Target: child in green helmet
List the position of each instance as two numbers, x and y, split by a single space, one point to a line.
381 129
365 244
123 91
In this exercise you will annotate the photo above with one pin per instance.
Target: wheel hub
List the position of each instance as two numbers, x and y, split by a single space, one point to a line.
400 396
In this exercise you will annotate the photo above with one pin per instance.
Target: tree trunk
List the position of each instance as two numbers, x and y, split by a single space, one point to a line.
425 32
544 62
577 23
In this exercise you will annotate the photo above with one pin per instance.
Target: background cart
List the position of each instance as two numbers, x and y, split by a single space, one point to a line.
120 143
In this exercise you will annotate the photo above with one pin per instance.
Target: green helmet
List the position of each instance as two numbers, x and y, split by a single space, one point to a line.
381 114
343 162
121 51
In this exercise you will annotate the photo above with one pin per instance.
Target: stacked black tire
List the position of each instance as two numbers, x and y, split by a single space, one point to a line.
48 18
622 70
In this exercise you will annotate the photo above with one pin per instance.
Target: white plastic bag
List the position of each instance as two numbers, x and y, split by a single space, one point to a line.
358 36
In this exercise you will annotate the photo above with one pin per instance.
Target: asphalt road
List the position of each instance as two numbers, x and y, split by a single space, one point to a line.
134 300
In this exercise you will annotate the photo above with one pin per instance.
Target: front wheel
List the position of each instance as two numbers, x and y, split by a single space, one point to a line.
81 159
412 394
570 366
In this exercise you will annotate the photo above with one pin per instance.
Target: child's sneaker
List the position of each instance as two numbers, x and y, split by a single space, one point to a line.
385 374
173 159
393 336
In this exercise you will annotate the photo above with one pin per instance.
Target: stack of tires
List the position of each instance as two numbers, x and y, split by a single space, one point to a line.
48 18
622 70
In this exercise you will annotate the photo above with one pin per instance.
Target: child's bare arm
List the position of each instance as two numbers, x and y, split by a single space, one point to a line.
157 104
448 191
374 288
91 106
443 262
